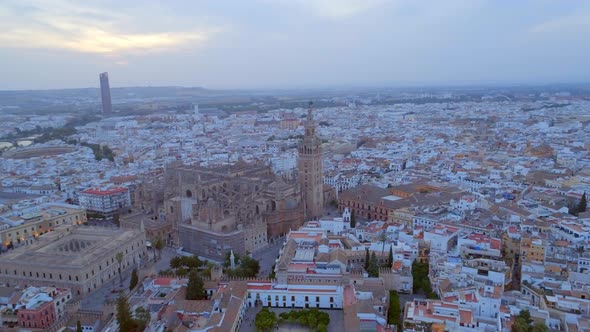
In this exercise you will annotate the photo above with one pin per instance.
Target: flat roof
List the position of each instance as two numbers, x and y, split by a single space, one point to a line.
80 248
391 198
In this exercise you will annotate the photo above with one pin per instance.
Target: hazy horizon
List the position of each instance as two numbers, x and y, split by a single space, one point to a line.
297 44
417 85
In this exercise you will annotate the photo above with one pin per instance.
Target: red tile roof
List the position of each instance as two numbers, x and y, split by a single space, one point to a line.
106 192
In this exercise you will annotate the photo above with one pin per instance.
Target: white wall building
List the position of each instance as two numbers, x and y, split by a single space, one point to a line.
105 201
295 296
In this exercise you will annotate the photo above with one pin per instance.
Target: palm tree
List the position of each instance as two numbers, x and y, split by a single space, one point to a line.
119 258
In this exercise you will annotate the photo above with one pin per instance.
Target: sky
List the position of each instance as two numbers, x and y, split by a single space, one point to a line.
249 44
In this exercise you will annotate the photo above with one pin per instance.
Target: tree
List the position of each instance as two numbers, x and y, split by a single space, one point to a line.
421 280
582 204
390 258
134 279
176 262
538 327
181 272
526 315
159 245
572 208
194 288
265 319
367 259
246 267
520 325
373 270
191 262
142 317
352 219
382 239
124 314
313 318
523 323
394 312
78 326
182 265
119 258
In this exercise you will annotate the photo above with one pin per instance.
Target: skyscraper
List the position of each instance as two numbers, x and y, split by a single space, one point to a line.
311 169
105 93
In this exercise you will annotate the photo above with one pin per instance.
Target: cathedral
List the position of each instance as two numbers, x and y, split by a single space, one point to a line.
239 207
211 210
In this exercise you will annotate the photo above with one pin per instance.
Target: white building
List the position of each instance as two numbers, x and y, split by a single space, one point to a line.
106 201
295 296
442 238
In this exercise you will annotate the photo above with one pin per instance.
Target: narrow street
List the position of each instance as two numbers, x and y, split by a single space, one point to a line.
266 257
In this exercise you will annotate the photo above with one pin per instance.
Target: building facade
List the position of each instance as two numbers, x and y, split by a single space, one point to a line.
24 226
295 295
310 169
80 258
37 315
107 201
241 207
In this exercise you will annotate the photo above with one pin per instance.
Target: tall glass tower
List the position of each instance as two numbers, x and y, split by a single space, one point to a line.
105 93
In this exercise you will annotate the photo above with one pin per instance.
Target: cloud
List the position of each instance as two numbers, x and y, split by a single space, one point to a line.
575 22
332 9
94 40
70 26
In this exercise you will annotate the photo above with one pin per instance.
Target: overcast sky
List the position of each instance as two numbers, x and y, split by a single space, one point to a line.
292 43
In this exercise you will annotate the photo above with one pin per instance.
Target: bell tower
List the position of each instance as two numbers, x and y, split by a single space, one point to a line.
310 168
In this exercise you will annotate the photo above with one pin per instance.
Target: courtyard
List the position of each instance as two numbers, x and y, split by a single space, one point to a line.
336 320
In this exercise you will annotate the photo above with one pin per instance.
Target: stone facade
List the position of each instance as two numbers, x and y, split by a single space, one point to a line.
155 226
26 227
310 168
240 207
76 257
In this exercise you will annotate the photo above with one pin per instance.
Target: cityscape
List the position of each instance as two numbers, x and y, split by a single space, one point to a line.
322 207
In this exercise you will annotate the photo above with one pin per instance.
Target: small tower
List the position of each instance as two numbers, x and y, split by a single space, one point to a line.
232 260
346 215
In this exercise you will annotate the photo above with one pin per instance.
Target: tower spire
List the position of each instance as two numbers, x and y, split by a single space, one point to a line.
310 169
309 124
